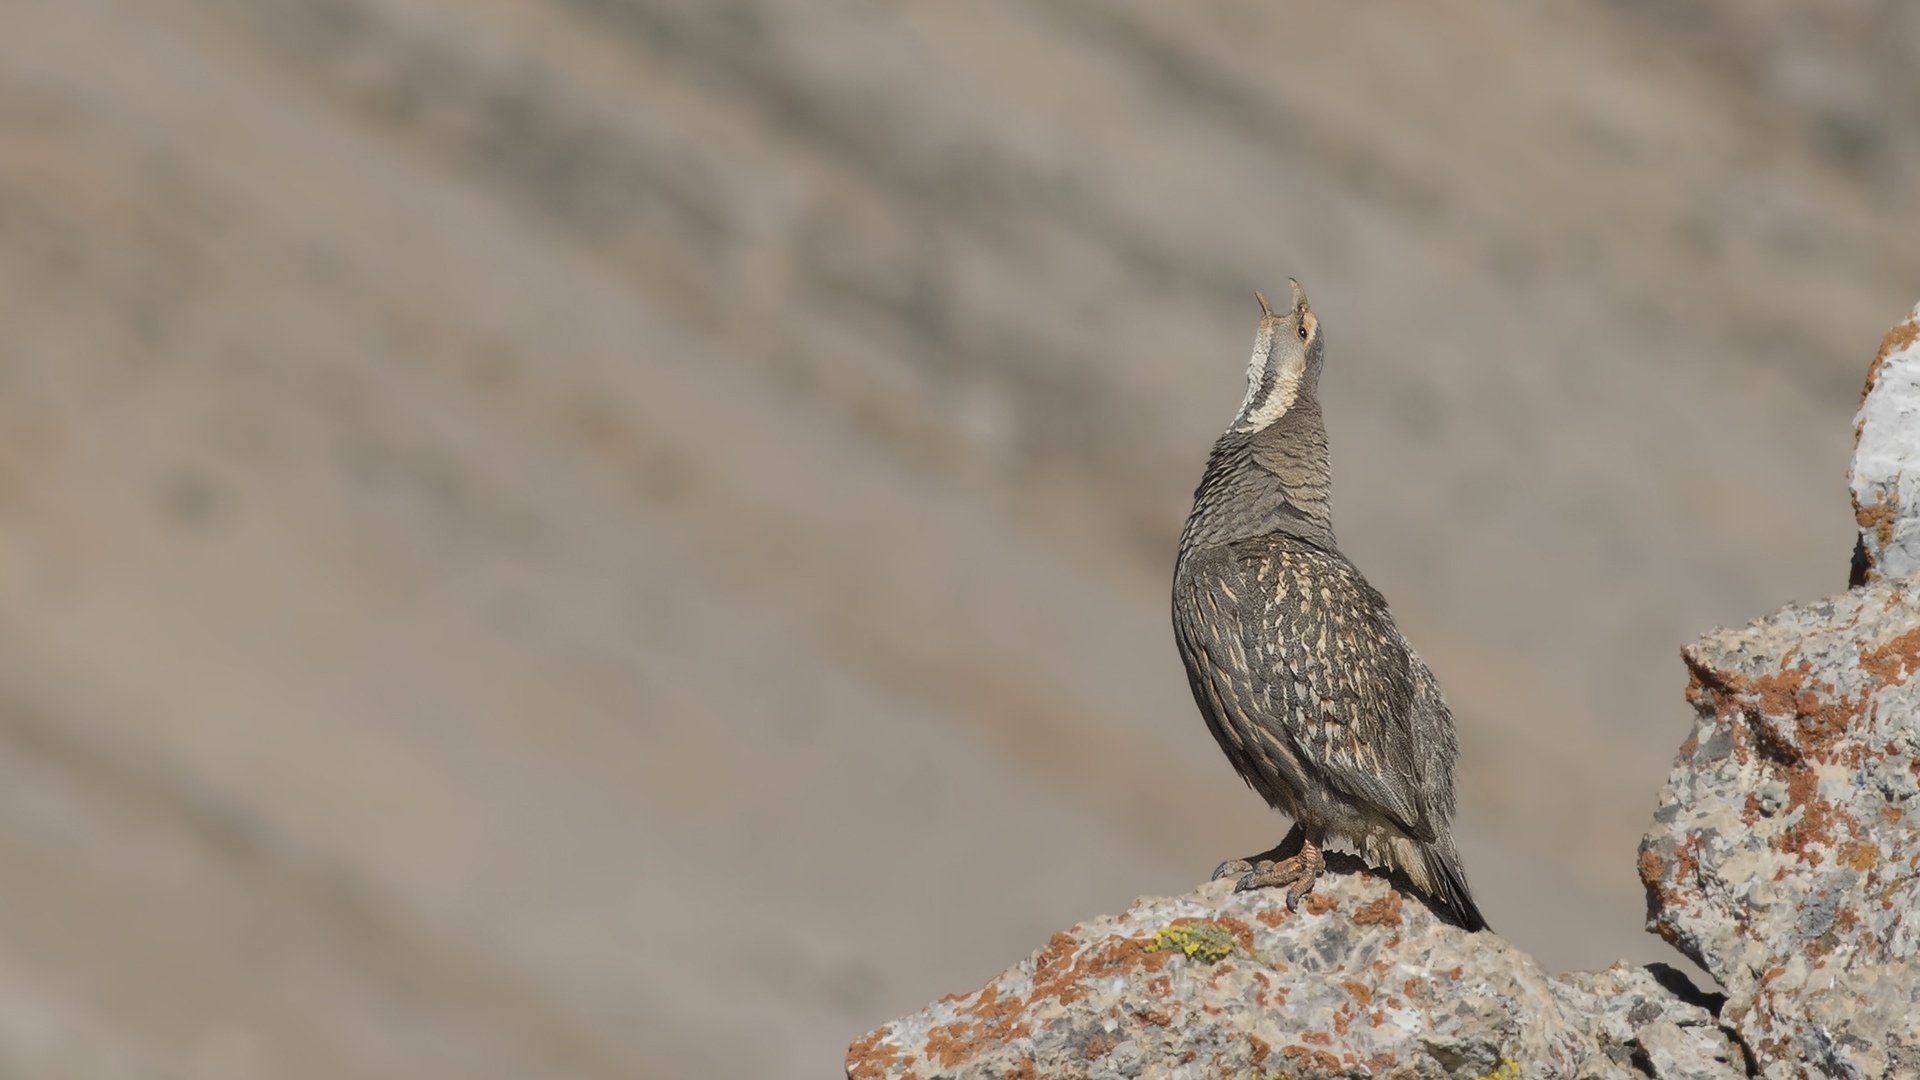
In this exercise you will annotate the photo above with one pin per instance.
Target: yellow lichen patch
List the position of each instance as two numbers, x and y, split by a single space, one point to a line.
1508 1069
1199 940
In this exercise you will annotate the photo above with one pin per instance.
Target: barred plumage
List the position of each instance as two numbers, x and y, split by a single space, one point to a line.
1295 662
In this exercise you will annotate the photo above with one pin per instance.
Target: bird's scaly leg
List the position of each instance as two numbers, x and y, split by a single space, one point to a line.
1299 872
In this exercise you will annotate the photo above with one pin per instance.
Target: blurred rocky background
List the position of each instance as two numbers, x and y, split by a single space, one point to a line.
630 537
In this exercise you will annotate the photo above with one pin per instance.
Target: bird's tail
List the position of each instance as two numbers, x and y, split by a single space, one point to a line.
1448 881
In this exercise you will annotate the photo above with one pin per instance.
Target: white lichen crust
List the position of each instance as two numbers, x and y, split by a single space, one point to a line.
1885 478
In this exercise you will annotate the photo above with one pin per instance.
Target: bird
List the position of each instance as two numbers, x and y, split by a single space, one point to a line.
1303 678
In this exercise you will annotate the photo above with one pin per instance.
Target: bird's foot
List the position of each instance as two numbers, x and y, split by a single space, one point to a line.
1295 842
1298 873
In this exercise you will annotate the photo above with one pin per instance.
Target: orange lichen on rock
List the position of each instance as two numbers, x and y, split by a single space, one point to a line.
1894 661
1879 516
1903 334
872 1057
1382 912
1310 1057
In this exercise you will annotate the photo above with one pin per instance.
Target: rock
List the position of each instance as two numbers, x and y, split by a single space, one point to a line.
1358 982
1651 1019
1783 853
1886 459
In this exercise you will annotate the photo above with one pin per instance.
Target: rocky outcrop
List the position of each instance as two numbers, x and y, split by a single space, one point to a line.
1359 982
1783 854
1784 858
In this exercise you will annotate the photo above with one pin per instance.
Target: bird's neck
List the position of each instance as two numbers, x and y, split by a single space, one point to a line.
1276 480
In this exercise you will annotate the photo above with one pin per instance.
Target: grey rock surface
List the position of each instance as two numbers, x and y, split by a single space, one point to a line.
1358 982
1650 1019
1783 855
1885 477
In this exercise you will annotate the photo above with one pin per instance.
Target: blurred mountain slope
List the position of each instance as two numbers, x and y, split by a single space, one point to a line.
629 537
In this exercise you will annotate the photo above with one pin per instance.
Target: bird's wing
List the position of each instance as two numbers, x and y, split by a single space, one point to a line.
1208 627
1434 742
1332 674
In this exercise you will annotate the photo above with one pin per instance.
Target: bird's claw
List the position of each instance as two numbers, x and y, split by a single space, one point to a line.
1231 868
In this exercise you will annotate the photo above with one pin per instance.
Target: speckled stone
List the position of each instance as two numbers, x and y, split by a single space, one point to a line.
1359 982
1637 1020
1783 855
